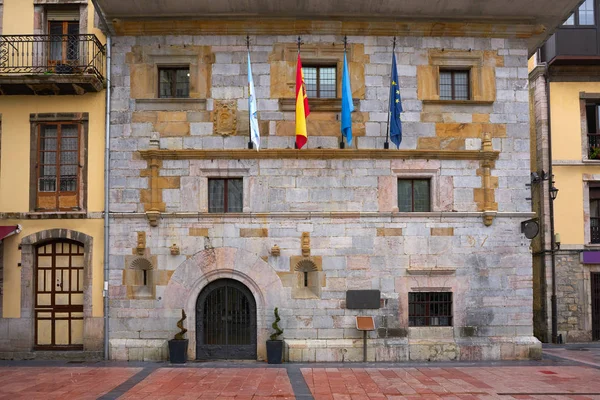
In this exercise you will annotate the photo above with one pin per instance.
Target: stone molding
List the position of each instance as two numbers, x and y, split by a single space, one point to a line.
204 267
317 105
92 339
319 154
303 27
51 215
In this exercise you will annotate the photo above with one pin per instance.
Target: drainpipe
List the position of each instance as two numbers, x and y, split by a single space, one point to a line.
551 210
107 197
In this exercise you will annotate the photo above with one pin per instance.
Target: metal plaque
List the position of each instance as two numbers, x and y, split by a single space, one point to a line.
362 299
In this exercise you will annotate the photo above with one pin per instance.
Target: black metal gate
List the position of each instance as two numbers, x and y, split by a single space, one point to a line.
595 278
226 322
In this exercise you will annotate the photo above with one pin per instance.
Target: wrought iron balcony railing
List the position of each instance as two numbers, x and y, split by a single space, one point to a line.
52 54
594 146
595 229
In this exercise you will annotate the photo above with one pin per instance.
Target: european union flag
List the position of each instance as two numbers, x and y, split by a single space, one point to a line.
395 106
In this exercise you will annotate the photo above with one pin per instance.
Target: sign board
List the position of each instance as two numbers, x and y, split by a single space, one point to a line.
363 299
365 323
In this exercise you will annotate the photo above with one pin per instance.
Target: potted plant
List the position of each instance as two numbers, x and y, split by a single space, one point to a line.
178 345
274 345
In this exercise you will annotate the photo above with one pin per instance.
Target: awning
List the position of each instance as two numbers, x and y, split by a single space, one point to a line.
7 230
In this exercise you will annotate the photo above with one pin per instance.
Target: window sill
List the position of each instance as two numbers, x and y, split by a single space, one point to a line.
317 105
591 161
49 215
460 102
170 104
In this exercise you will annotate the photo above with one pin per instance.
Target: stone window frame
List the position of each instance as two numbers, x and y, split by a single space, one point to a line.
482 88
434 290
584 99
434 181
587 236
133 277
41 23
36 120
315 55
204 174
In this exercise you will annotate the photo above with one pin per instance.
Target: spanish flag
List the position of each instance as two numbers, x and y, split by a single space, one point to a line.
302 109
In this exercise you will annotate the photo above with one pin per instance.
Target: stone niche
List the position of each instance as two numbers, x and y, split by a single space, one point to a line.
306 277
141 277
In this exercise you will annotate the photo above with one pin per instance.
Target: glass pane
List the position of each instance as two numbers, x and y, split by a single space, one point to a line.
310 81
327 82
69 131
48 157
68 157
405 195
594 209
56 39
445 85
461 85
49 130
570 20
234 195
421 195
166 76
586 13
216 191
183 83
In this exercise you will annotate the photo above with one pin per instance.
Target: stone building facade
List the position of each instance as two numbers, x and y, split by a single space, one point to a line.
328 212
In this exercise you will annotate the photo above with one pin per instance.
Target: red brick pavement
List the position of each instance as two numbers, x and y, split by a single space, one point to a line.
214 383
472 383
60 382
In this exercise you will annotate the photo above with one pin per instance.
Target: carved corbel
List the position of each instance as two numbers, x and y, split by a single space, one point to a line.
153 214
488 191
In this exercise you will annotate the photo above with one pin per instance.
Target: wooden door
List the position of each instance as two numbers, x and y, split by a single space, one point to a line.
59 296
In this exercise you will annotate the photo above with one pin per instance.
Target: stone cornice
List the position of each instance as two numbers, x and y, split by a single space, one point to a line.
384 216
224 26
318 154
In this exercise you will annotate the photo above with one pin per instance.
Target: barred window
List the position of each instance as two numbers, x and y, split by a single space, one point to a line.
320 81
454 85
414 195
225 195
174 82
430 309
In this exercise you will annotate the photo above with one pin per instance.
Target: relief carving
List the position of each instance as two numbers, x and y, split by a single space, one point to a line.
225 118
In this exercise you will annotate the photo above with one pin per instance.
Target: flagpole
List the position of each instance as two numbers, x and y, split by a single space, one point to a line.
342 144
299 41
386 145
250 144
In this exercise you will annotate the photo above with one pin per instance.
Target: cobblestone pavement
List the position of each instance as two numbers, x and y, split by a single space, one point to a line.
567 372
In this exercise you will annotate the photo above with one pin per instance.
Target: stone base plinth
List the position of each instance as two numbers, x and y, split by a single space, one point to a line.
138 349
397 350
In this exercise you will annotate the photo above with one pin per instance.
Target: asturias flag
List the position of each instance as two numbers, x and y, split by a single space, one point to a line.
302 109
347 105
254 132
395 106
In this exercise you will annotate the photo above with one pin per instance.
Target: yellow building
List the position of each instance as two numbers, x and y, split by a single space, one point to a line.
565 94
52 147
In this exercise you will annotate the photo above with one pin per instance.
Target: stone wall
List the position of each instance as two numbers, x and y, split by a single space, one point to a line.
347 206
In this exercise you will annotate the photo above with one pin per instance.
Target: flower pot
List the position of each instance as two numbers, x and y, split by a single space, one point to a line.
274 351
178 351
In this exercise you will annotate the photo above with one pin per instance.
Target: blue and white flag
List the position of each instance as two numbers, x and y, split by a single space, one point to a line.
347 104
252 109
395 106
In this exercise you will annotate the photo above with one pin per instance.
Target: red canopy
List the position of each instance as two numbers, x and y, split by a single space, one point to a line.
7 230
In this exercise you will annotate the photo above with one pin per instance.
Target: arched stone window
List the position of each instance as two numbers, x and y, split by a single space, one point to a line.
308 280
139 279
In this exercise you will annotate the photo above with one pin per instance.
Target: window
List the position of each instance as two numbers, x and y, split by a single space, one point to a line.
320 81
454 85
225 195
58 166
173 82
430 309
594 212
592 115
63 28
583 16
414 195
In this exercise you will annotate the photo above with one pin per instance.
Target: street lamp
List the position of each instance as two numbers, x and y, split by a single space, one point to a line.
553 192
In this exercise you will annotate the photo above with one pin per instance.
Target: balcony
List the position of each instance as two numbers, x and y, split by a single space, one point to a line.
51 64
572 45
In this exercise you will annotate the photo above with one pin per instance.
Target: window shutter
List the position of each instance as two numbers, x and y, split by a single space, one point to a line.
62 15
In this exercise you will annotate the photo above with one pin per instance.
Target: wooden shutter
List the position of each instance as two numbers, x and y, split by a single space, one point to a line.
62 15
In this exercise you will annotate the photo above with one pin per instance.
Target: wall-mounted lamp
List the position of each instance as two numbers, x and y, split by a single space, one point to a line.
557 240
553 191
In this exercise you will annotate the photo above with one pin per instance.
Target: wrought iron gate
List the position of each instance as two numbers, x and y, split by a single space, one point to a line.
595 278
225 322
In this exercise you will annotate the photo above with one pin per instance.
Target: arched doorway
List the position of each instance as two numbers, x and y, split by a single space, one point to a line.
226 321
